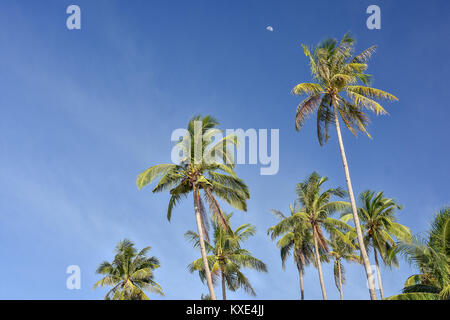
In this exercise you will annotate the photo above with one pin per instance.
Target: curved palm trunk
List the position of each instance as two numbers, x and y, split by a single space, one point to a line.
218 214
198 218
224 289
362 247
380 284
341 292
319 265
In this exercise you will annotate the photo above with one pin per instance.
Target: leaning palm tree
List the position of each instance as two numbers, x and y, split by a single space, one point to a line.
296 238
226 257
342 251
313 209
206 165
380 228
431 255
130 273
337 92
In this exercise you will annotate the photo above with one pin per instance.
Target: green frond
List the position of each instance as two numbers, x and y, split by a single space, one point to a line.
353 117
372 93
325 118
308 89
305 108
415 296
234 197
152 173
312 62
401 232
278 214
365 55
356 67
421 288
107 281
346 217
364 102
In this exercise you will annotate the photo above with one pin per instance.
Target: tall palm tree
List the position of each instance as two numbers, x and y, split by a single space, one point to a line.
130 273
431 255
296 238
213 174
227 257
313 208
341 251
336 72
380 228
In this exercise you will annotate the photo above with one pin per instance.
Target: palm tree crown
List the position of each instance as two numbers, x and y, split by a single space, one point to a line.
196 172
130 273
379 220
226 257
336 71
296 239
342 251
379 216
315 207
431 256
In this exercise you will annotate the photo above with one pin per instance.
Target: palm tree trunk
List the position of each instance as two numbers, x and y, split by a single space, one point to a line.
362 247
380 284
224 290
319 265
302 293
198 218
341 292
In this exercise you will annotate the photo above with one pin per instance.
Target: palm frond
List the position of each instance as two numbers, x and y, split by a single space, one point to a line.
152 173
305 108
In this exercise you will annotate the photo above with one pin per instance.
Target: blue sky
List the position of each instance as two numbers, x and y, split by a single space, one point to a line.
83 112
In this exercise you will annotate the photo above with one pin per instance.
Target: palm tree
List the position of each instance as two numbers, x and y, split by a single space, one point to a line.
431 256
380 227
314 210
335 71
214 175
341 251
226 257
130 273
296 238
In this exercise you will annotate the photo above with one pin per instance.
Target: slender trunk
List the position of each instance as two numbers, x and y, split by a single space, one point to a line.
224 290
362 247
319 265
218 214
341 292
302 293
198 218
380 284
